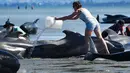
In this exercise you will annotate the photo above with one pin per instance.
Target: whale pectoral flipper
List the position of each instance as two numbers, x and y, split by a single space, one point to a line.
9 62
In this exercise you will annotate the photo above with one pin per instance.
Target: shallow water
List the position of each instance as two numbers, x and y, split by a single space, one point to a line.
72 65
20 16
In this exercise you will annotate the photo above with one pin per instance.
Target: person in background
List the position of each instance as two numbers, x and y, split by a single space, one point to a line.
118 27
11 28
90 21
127 32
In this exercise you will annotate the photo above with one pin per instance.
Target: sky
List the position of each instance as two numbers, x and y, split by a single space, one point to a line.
56 1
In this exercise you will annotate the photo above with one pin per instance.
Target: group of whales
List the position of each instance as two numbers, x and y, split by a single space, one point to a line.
72 44
27 27
12 49
119 56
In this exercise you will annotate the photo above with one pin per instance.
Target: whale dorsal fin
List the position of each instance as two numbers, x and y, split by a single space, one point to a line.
7 21
36 21
98 18
108 15
69 33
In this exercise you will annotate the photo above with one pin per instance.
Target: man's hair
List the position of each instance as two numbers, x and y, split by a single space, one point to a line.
120 22
77 4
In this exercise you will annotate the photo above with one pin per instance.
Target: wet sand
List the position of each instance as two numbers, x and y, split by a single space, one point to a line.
72 65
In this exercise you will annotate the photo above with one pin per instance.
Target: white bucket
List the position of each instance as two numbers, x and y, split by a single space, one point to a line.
50 22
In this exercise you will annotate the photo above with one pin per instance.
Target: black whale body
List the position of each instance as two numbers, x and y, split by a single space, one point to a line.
27 27
71 45
15 46
30 27
112 18
119 56
8 62
124 40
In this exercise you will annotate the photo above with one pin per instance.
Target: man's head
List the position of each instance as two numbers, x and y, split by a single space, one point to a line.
76 5
120 22
7 25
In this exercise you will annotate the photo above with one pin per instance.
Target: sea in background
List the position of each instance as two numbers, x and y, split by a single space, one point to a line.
22 15
63 65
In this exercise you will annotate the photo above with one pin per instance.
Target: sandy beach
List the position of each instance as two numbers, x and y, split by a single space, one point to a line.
72 65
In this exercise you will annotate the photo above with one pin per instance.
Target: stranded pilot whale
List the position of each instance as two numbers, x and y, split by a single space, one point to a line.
30 27
113 18
72 44
119 56
8 62
15 46
113 36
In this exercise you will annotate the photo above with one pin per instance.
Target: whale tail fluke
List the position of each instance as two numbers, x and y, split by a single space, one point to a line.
36 21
